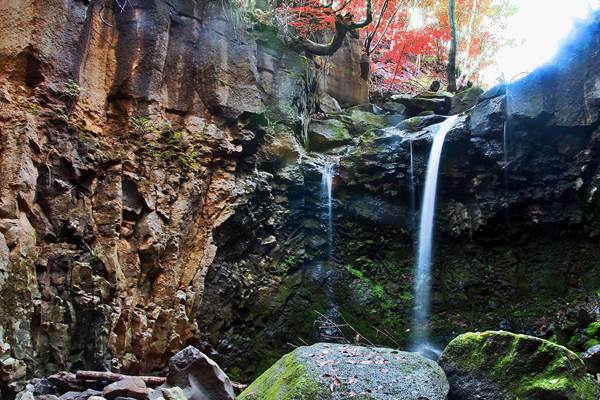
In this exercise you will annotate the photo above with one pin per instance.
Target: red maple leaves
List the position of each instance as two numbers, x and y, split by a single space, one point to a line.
408 38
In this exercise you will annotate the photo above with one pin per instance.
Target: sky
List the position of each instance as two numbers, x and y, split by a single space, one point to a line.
537 28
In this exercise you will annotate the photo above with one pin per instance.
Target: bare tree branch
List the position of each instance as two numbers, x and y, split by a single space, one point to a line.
343 25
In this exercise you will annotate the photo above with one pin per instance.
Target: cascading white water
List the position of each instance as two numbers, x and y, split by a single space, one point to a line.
411 185
507 121
326 271
420 328
327 198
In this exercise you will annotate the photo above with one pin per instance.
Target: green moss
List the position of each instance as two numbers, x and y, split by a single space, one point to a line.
413 123
288 263
593 329
286 380
525 366
590 343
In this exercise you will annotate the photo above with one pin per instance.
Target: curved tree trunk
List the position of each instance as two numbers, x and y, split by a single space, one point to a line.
451 68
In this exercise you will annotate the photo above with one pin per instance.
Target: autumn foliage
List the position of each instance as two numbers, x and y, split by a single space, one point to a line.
408 40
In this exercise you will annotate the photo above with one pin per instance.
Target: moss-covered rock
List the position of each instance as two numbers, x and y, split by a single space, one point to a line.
466 99
416 124
328 134
363 121
506 366
593 329
334 371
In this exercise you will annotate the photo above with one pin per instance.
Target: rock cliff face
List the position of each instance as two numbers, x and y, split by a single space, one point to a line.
132 140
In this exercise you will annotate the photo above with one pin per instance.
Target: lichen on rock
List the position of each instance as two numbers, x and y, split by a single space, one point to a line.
335 371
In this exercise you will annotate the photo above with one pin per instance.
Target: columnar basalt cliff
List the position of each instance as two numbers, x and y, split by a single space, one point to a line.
128 137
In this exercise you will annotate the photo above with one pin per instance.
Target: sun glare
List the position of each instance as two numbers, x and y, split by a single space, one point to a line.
536 31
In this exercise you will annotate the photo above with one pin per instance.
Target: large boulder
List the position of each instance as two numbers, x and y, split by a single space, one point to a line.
560 96
363 121
465 100
199 376
347 75
335 371
328 134
487 118
506 366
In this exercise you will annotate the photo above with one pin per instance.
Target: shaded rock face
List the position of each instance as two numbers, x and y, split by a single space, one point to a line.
128 138
505 366
347 76
331 371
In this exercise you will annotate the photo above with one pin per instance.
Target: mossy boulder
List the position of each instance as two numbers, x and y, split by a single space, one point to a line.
465 100
335 371
506 366
363 121
416 124
328 134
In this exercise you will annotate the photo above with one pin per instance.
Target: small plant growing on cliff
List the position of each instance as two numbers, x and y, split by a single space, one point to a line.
34 109
72 89
142 125
31 107
287 263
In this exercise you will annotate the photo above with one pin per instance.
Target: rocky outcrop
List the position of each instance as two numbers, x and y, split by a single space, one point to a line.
324 371
191 375
129 136
502 365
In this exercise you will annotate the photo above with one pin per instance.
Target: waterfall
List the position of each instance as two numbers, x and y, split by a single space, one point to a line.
327 199
420 329
411 186
506 133
326 268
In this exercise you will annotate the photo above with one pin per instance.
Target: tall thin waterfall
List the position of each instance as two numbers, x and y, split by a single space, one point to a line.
507 126
411 185
327 267
327 198
420 329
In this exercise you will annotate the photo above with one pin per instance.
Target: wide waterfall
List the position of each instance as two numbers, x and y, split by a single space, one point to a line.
420 329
